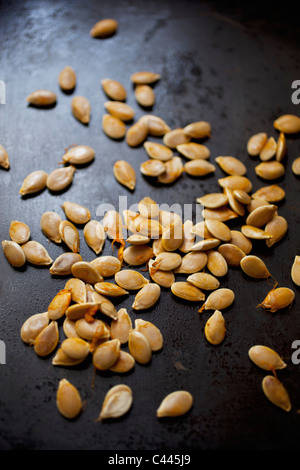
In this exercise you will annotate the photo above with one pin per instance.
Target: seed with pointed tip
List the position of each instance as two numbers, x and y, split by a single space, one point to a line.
187 291
50 221
144 77
63 263
152 168
60 178
139 347
86 272
277 227
175 137
199 167
136 255
70 235
36 253
295 270
213 200
34 182
144 95
81 109
278 298
94 235
47 339
76 348
215 329
231 165
219 299
255 143
106 354
76 213
117 402
158 151
121 326
266 358
136 134
67 78
270 170
104 28
41 98
204 281
13 253
287 123
216 263
107 265
232 254
68 400
59 304
113 126
254 267
198 129
193 150
269 150
156 126
124 363
114 89
79 155
275 391
76 311
175 404
130 279
152 333
33 325
120 110
271 193
147 297
192 262
4 158
77 289
124 174
236 182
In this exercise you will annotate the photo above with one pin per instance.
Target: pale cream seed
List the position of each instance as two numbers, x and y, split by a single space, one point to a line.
63 263
34 182
266 358
277 227
231 165
4 158
187 291
81 109
117 402
175 404
124 174
32 326
76 213
68 400
60 178
139 347
36 253
215 328
295 270
94 235
49 222
13 253
271 170
287 123
79 155
256 143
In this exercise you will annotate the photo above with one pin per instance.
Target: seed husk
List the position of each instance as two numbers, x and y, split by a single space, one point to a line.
254 267
277 227
69 235
187 291
193 150
175 404
104 28
261 215
4 158
218 229
213 200
271 193
256 143
175 137
296 166
60 178
94 235
77 289
266 358
50 221
204 281
76 213
120 110
130 279
199 167
124 363
86 272
295 270
206 244
13 253
156 126
269 150
106 354
144 95
215 328
63 263
152 333
137 133
270 170
158 151
34 182
147 296
278 298
275 391
173 170
79 155
124 174
76 311
41 98
167 261
81 109
281 147
32 326
242 196
106 265
121 326
68 400
231 165
192 262
218 299
216 263
136 255
47 339
145 77
162 278
241 241
232 254
198 130
117 402
233 202
139 347
152 168
67 78
256 233
59 304
114 89
36 253
236 182
287 123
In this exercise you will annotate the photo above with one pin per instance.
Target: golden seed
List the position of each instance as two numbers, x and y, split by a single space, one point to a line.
223 214
59 304
173 170
232 254
68 400
266 358
136 239
79 155
296 166
236 182
152 168
175 404
77 289
76 311
281 147
113 225
200 230
81 109
121 326
70 235
124 363
219 299
145 226
104 304
233 202
120 110
193 150
206 244
254 267
231 165
139 347
188 237
198 130
192 262
276 392
86 272
216 263
278 298
62 359
106 265
104 28
187 291
242 196
94 235
256 202
157 247
33 325
162 278
241 241
76 213
13 253
166 218
175 137
36 253
34 182
87 330
147 296
47 339
270 170
215 328
50 221
63 263
256 143
272 193
76 348
148 208
199 167
130 279
218 229
152 333
256 233
167 261
261 215
67 78
114 89
287 123
137 134
110 289
124 174
295 270
144 95
60 178
145 77
269 150
172 237
136 255
158 151
204 281
277 227
106 354
41 98
117 402
4 158
156 126
113 127
213 200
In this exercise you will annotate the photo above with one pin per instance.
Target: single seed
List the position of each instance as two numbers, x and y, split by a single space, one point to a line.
94 235
277 299
254 267
36 253
276 392
67 79
216 263
233 202
106 265
110 289
136 239
59 304
113 127
105 305
172 237
277 227
121 326
137 134
76 348
120 110
76 311
139 347
152 168
152 333
145 226
188 237
145 78
269 150
218 229
167 261
266 358
219 299
242 196
232 254
148 208
62 359
124 174
204 281
50 221
231 165
162 278
136 255
187 291
199 167
60 178
104 28
124 363
173 170
261 215
130 279
114 89
34 182
113 226
215 328
47 339
106 354
256 202
68 400
146 297
156 126
166 218
256 143
77 289
32 326
241 241
117 402
76 213
272 193
198 130
175 137
193 150
175 404
192 262
4 158
13 253
79 155
287 123
86 272
158 151
200 230
236 182
281 147
206 244
256 233
81 109
63 263
87 330
69 235
270 170
296 166
223 214
213 200
41 98
295 270
144 95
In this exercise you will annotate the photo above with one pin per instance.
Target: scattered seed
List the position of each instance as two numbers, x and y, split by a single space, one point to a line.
79 155
110 289
199 167
152 168
192 262
277 227
218 229
223 214
148 208
86 272
62 359
121 326
67 79
272 193
172 237
198 130
287 123
124 363
124 174
277 299
233 202
162 278
173 170
175 137
76 311
241 241
256 143
261 215
117 402
139 347
276 392
266 358
136 239
152 333
36 253
167 261
296 166
269 150
156 126
242 196
68 400
81 109
145 78
206 244
215 328
216 263
120 110
175 404
256 233
69 235
232 254
136 255
113 126
60 178
34 182
47 339
188 237
104 28
254 267
270 170
144 95
41 98
213 200
94 235
158 151
89 330
59 304
4 158
187 291
106 354
137 134
231 165
166 218
76 348
236 182
76 213
295 270
106 265
69 330
50 221
77 289
32 326
130 280
204 281
63 263
114 89
19 232
193 150
218 299
256 202
281 147
147 296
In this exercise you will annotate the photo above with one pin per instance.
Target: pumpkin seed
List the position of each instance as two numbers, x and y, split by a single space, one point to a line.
114 89
193 150
281 147
223 214
175 404
138 239
236 182
117 402
233 202
216 263
215 328
59 304
77 289
19 232
254 267
271 193
136 255
76 311
206 244
277 227
152 333
76 348
200 230
242 196
32 326
94 235
63 263
175 137
139 347
204 281
34 182
270 170
188 237
218 229
110 289
199 167
256 202
198 129
166 218
287 123
162 278
266 358
172 237
106 265
158 151
148 208
68 400
113 126
157 247
50 221
275 391
152 168
173 170
124 363
62 359
241 241
41 98
60 178
156 126
86 272
81 109
121 326
144 95
231 165
145 77
256 233
213 200
76 213
79 155
187 291
130 279
146 297
167 261
4 158
192 262
232 254
36 253
261 215
296 166
70 235
295 270
137 134
256 143
47 339
67 79
218 299
113 226
278 298
124 174
269 150
120 110
104 28
88 330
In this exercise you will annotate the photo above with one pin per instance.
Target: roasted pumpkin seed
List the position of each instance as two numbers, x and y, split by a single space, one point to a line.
158 151
261 215
281 147
81 109
219 299
270 170
63 263
175 137
272 193
59 304
76 213
4 158
88 330
145 95
256 143
156 126
167 261
136 255
162 278
199 167
275 391
68 400
106 354
215 328
47 339
60 178
77 289
32 326
121 326
218 229
269 150
198 129
147 296
36 253
278 298
41 98
216 263
193 150
86 272
76 348
206 244
213 200
223 213
287 123
109 289
114 89
236 182
192 262
34 182
152 333
296 166
277 227
204 281
113 126
175 404
231 165
266 358
67 79
187 291
152 168
232 254
50 221
254 267
117 402
295 270
79 155
137 134
69 235
173 170
256 233
124 174
130 279
233 202
139 347
94 235
145 77
76 311
242 196
124 363
120 110
107 265
241 241
62 359
104 28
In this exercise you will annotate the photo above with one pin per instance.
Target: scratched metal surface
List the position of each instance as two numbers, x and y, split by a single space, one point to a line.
229 66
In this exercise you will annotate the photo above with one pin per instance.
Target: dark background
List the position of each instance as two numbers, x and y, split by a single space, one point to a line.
232 66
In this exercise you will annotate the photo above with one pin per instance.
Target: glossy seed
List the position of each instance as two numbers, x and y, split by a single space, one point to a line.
172 237
76 348
254 267
76 213
152 333
188 236
296 166
94 235
271 193
86 272
76 311
147 296
124 363
175 137
41 98
36 253
68 400
77 289
275 391
69 235
256 233
148 208
167 261
63 263
62 359
104 28
278 298
139 347
145 95
256 202
187 291
266 358
199 167
215 328
218 229
231 165
219 299
124 174
121 326
79 155
49 222
175 404
200 230
158 151
117 402
223 213
145 77
137 133
19 232
136 255
59 304
106 354
120 110
192 262
162 278
204 281
277 227
256 143
233 202
193 150
34 182
81 109
261 215
206 244
213 200
270 170
152 168
287 123
109 289
105 305
198 130
295 270
269 150
242 196
173 170
67 78
236 182
60 178
216 263
130 279
156 126
241 241
32 326
47 339
114 89
113 126
281 147
232 254
4 158
107 265
87 329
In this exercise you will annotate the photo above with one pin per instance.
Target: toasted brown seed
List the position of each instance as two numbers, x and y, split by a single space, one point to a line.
173 170
86 272
236 182
199 167
113 126
136 255
192 262
162 278
4 158
223 214
77 289
158 151
117 402
233 202
106 354
242 196
167 261
34 182
218 229
144 95
120 110
287 123
269 150
295 270
152 333
254 267
76 311
50 221
106 265
277 227
94 235
281 147
254 232
19 232
41 98
109 289
271 193
47 339
256 143
206 244
130 279
36 253
70 235
266 358
193 150
231 165
156 126
62 359
137 133
296 166
276 392
204 281
81 109
67 78
241 241
121 326
152 168
145 77
215 329
124 174
147 296
175 137
79 155
139 347
76 213
59 304
68 400
198 129
87 330
175 404
213 200
124 363
63 263
114 89
219 299
33 325
187 291
232 254
104 28
216 263
277 299
261 215
270 170
60 178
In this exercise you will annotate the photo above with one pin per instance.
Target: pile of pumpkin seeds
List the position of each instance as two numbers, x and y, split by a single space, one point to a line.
167 244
